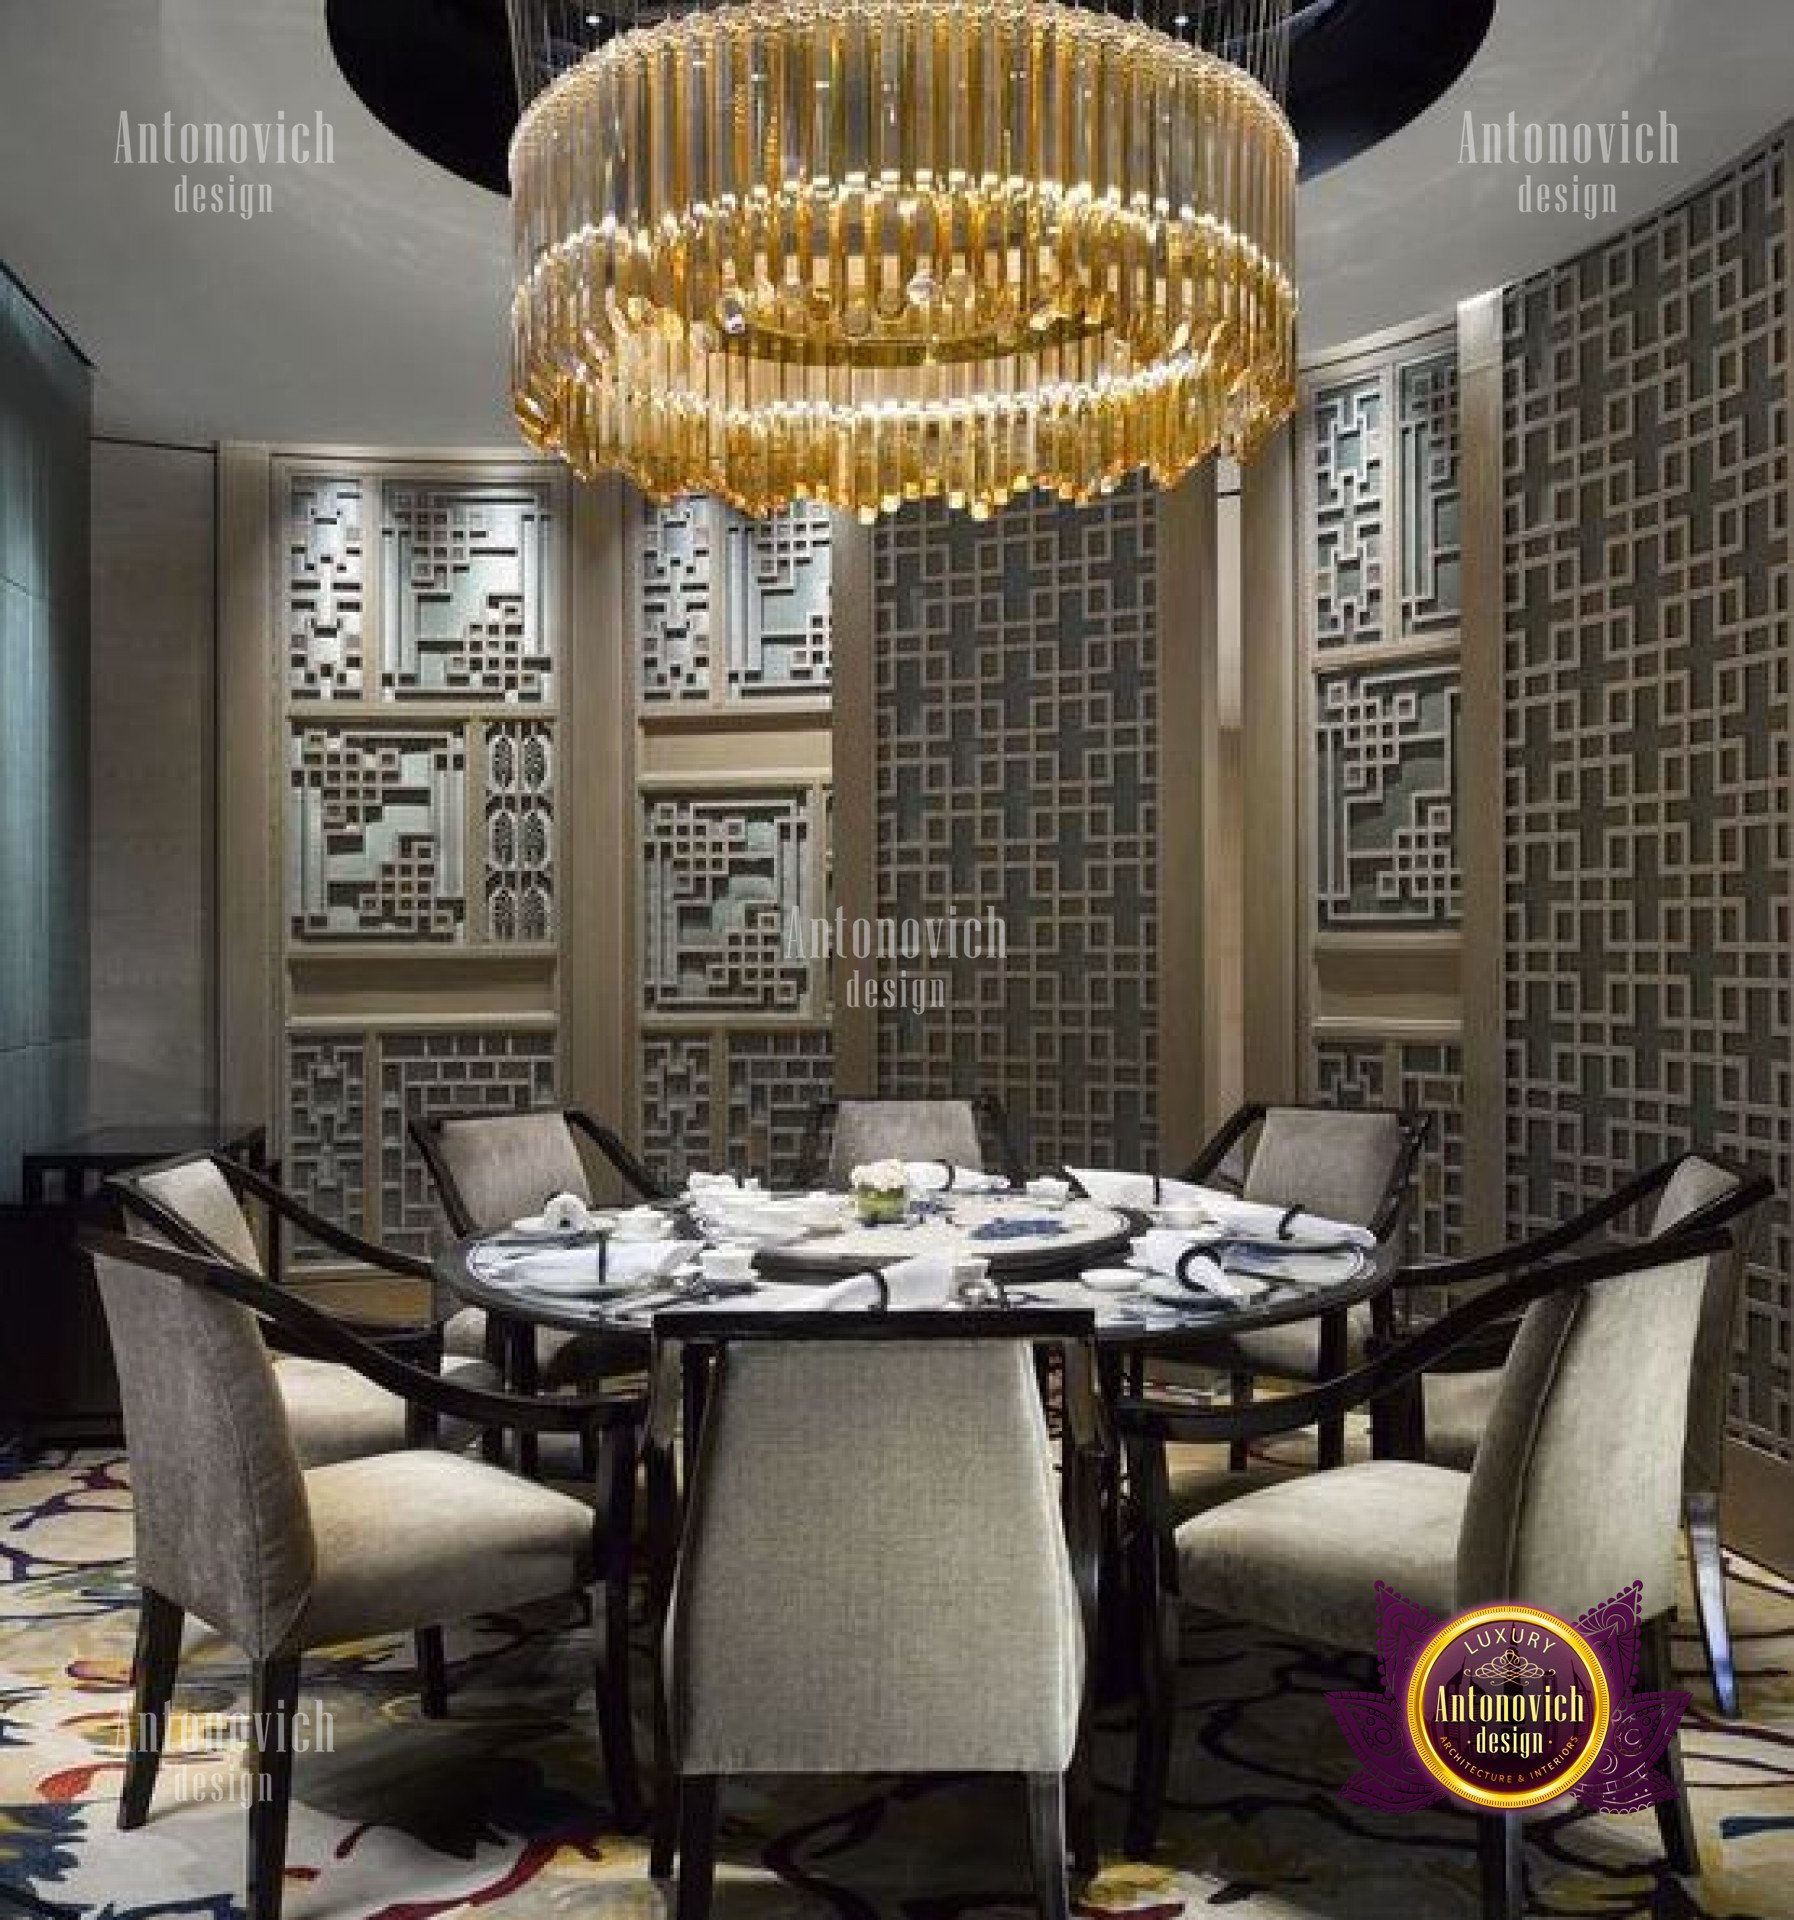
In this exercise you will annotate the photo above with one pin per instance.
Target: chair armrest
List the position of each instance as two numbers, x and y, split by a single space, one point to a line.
1210 1157
1405 1358
330 1339
365 1252
611 1144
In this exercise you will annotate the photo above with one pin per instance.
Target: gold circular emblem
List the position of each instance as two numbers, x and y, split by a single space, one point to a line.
1552 1691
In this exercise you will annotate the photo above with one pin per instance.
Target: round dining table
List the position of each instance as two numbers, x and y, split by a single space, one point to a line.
1036 1255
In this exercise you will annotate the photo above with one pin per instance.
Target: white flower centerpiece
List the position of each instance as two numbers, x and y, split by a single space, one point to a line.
880 1192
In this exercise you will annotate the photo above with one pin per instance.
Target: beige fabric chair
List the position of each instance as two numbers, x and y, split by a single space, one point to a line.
861 1131
1598 1373
489 1169
332 1412
278 1558
1458 1406
898 1496
1350 1164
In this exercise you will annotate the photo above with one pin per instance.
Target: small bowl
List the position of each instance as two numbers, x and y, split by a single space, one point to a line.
1183 1217
1049 1192
643 1223
1112 1280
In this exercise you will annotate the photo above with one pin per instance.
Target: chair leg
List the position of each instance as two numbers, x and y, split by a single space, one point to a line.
432 1673
274 1698
1240 1394
1501 1854
697 1846
1701 1512
1158 1715
1675 1818
1046 1844
152 1676
1330 1434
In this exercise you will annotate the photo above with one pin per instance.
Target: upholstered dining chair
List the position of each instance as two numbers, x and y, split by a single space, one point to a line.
489 1169
1598 1373
280 1558
878 1569
1693 1190
843 1134
1352 1164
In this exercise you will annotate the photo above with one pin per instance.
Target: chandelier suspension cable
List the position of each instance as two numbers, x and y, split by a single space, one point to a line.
868 251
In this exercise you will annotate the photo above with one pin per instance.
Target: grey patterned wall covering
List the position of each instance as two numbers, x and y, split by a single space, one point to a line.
1429 1077
1648 722
1017 771
44 654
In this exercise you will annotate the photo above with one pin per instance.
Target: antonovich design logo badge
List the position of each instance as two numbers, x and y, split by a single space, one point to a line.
1507 1707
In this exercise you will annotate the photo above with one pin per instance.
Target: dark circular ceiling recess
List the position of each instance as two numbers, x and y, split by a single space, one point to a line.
438 72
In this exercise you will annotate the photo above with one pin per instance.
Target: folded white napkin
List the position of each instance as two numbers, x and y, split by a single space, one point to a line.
575 1269
938 1176
1162 1252
1136 1189
563 1213
924 1282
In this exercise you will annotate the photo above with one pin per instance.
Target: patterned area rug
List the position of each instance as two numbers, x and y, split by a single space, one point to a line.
500 1810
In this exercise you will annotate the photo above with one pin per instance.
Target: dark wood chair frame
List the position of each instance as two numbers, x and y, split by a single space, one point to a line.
687 1347
275 1683
1146 1427
1402 1435
1388 1223
995 1136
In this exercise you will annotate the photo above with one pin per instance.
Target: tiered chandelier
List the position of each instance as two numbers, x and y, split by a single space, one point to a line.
870 251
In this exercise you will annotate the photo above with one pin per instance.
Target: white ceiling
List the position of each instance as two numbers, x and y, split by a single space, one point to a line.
368 306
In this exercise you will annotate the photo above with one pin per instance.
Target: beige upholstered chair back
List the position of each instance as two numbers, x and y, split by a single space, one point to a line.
867 1130
223 1529
874 1575
1577 1487
197 1192
1333 1162
1698 1183
505 1165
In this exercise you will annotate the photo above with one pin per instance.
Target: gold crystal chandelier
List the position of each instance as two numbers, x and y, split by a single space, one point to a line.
870 251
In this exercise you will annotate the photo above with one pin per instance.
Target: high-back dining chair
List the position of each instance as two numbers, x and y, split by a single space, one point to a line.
874 1574
1354 1164
1693 1190
1573 1496
280 1559
843 1134
489 1169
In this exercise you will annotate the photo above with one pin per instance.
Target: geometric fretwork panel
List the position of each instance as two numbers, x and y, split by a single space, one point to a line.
677 1096
1350 514
1386 749
676 595
520 849
720 874
1017 774
1427 432
325 1125
325 588
778 577
376 824
465 591
1647 941
472 1071
774 1078
1428 1078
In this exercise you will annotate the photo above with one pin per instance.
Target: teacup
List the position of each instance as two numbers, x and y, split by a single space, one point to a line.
727 1263
1048 1191
643 1223
1185 1216
972 1284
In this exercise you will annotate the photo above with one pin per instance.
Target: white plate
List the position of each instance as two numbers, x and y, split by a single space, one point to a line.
1112 1279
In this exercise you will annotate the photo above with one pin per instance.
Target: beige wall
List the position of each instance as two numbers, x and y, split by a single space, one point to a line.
153 631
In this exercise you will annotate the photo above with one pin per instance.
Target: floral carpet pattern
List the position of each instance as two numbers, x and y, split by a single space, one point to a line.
500 1811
